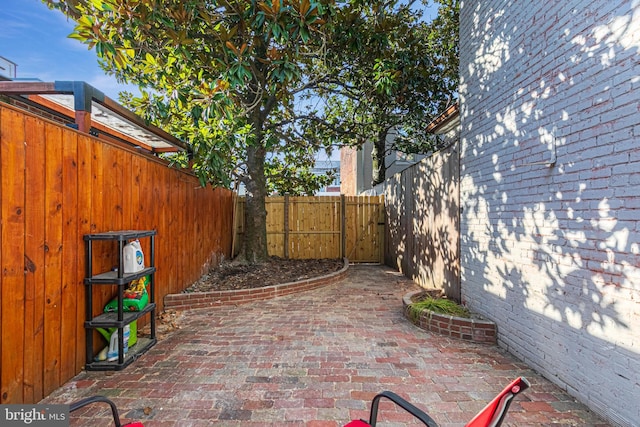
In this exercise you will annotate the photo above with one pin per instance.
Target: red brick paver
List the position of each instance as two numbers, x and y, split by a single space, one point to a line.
315 359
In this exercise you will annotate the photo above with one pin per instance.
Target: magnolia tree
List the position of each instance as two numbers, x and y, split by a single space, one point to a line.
402 72
239 81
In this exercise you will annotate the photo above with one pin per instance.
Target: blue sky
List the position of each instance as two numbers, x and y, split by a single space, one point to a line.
35 38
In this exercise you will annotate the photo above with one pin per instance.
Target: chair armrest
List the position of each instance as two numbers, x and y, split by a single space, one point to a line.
410 408
493 414
101 399
97 399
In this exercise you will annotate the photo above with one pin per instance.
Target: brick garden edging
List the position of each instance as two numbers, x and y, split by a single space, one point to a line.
187 301
476 330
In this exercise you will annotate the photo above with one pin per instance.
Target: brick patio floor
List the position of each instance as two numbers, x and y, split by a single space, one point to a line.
315 359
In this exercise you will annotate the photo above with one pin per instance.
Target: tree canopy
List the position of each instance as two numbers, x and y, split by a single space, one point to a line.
401 74
258 87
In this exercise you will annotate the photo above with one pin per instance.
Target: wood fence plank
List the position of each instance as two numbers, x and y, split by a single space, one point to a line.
293 228
306 218
145 195
351 227
127 189
142 201
275 226
148 196
311 215
335 228
136 165
326 225
12 175
321 225
34 259
380 228
176 214
315 214
365 232
103 259
189 218
335 221
320 242
361 231
85 187
115 174
411 232
357 227
70 252
97 188
171 218
53 258
159 210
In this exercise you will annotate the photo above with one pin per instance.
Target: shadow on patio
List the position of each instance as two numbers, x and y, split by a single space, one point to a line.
315 359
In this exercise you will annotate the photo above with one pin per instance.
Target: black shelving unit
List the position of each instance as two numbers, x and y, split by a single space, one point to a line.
120 318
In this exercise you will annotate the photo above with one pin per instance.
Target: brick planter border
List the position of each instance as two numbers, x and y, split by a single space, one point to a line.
476 330
188 301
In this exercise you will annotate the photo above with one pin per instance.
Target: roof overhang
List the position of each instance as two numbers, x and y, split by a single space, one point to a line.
93 111
445 121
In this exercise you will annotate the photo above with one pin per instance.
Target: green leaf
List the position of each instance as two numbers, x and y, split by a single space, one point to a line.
357 46
97 4
304 34
77 36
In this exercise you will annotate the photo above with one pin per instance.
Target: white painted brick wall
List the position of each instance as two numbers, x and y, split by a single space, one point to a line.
552 254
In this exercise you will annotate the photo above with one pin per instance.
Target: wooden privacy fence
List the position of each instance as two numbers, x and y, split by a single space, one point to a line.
323 227
56 185
423 222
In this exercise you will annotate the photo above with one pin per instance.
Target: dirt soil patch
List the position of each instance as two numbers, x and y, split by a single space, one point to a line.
230 275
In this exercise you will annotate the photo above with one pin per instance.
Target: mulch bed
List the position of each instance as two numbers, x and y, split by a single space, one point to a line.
230 275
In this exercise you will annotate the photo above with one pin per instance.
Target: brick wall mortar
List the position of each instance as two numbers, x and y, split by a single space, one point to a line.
551 253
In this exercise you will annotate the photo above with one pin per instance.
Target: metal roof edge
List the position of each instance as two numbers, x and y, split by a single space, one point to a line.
440 121
84 94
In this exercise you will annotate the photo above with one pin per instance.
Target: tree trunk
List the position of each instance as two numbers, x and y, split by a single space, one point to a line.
254 245
378 159
255 232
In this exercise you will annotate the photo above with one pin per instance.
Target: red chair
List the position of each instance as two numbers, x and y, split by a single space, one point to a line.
114 411
491 415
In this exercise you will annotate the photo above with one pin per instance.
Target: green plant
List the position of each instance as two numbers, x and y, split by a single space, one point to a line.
437 305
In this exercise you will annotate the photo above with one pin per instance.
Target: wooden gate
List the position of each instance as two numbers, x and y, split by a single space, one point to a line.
322 227
363 228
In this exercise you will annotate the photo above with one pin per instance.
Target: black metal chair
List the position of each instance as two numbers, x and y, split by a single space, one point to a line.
491 415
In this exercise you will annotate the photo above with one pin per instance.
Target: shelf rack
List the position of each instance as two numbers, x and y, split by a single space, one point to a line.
120 318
